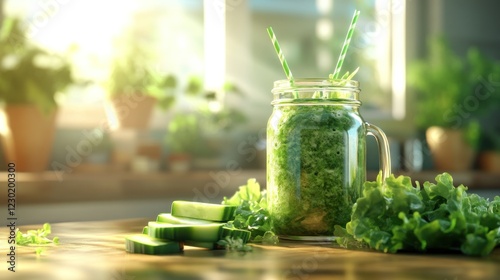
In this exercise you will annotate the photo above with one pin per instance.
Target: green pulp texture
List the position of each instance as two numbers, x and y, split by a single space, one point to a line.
316 166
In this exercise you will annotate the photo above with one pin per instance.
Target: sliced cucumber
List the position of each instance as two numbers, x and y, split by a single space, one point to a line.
144 244
145 230
203 211
235 233
169 218
179 232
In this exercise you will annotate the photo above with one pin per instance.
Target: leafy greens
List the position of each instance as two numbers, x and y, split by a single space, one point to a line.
346 76
251 212
394 215
36 237
234 244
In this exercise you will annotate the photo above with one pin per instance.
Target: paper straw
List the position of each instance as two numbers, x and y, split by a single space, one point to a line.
281 57
346 45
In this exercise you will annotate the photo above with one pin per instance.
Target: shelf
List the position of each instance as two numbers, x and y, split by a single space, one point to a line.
50 187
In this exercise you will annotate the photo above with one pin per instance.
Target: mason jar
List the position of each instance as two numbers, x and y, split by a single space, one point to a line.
316 156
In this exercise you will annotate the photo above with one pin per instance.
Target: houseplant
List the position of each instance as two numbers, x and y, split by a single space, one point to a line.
183 140
219 123
448 103
30 80
204 134
135 83
134 89
489 159
486 89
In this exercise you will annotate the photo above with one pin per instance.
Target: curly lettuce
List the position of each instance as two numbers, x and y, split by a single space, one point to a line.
251 213
394 215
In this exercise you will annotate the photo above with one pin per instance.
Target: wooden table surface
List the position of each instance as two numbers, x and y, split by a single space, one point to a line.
95 250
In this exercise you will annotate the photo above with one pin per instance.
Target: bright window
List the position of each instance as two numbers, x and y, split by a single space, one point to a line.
172 30
311 37
185 42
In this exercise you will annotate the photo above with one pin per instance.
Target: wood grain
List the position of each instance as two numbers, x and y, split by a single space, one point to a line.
95 250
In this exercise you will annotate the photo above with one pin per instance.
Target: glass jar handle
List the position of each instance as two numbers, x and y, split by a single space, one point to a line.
383 148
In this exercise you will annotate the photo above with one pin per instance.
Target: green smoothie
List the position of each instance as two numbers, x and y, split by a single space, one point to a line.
315 165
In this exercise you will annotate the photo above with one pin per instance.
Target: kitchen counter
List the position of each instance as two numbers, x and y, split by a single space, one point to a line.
95 250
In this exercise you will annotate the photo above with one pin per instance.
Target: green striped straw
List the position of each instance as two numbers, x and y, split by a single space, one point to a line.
281 57
347 41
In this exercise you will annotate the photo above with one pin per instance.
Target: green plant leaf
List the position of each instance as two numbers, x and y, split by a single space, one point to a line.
235 244
251 212
28 73
38 237
394 215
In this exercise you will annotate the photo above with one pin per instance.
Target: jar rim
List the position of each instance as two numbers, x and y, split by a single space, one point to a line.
316 82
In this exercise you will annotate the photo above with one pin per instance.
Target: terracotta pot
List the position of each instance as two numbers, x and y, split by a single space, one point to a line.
28 137
130 111
490 161
449 149
179 162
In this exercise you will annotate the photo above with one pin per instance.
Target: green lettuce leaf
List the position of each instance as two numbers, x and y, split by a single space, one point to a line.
394 215
251 212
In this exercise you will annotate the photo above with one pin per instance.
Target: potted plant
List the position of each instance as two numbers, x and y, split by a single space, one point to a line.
489 159
488 85
135 83
201 138
218 123
182 140
134 89
30 80
448 103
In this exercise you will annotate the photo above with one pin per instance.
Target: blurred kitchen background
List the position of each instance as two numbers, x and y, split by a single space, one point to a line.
133 104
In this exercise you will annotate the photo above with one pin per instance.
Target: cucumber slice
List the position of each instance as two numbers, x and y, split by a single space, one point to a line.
144 244
203 211
235 233
170 219
178 232
145 230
